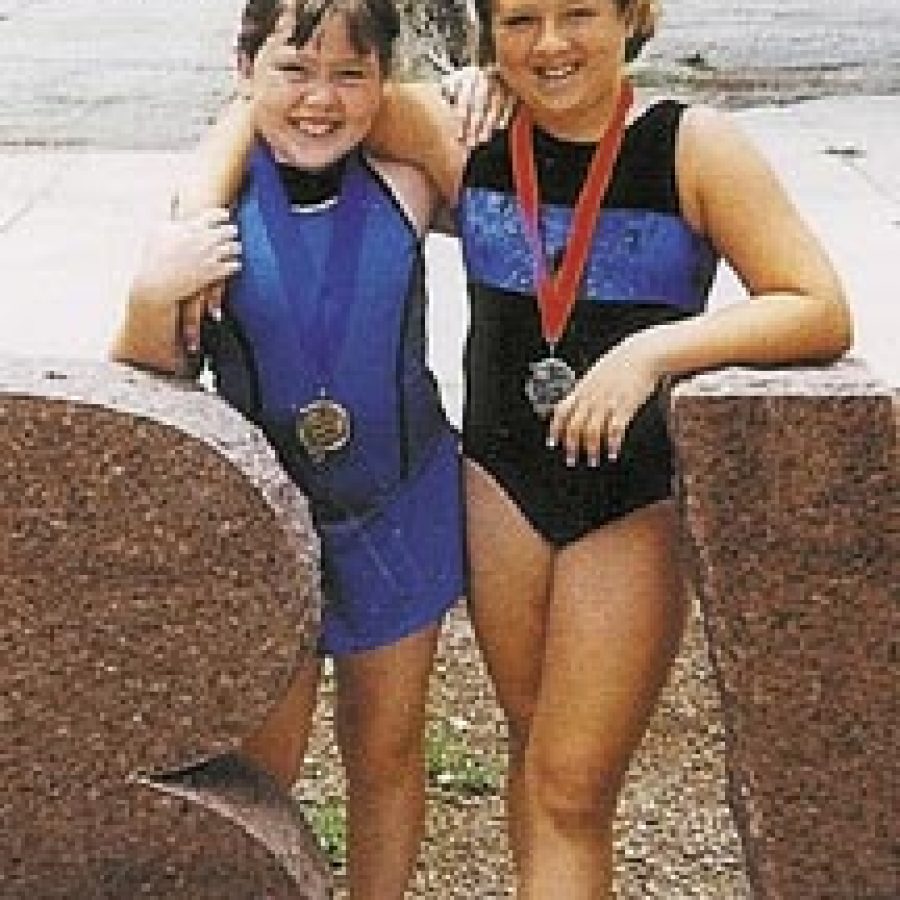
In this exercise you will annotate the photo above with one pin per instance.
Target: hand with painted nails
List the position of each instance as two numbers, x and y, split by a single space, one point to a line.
186 263
480 100
185 256
593 418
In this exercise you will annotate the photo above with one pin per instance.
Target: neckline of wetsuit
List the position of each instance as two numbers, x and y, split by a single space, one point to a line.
309 189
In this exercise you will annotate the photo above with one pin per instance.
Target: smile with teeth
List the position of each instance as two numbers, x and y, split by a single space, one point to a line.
316 128
555 73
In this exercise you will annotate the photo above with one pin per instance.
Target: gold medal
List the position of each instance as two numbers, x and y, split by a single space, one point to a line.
323 428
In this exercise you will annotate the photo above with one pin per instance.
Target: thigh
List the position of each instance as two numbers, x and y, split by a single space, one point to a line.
510 568
381 699
616 616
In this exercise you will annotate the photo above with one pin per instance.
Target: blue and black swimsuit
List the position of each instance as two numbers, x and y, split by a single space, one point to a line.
646 267
305 315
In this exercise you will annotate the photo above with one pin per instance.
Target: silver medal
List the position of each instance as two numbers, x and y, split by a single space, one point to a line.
551 380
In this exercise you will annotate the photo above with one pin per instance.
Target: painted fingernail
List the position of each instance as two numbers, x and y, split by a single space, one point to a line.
612 453
551 442
593 462
571 461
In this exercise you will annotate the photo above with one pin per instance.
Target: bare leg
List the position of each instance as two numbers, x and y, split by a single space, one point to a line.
278 745
510 568
381 723
615 619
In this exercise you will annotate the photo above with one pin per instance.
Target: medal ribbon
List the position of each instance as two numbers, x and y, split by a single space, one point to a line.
556 292
325 331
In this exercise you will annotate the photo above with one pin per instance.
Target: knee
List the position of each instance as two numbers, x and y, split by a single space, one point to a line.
574 791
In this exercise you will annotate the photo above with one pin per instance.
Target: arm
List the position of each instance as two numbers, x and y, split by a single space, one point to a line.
215 170
182 258
797 310
416 126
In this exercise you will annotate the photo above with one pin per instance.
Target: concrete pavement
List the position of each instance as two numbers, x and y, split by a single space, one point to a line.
72 223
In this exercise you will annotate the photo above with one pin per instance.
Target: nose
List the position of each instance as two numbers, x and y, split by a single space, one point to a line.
319 92
550 37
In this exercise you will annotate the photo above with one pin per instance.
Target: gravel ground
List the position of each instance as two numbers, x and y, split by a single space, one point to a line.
676 838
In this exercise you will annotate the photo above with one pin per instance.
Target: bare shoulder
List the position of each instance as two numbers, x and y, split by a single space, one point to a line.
412 189
717 161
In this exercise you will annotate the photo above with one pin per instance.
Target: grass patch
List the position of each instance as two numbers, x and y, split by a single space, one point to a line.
328 821
453 768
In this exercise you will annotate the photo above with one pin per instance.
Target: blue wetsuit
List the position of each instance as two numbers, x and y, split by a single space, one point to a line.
305 316
646 267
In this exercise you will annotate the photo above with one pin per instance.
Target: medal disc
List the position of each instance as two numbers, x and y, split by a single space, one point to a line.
323 428
551 380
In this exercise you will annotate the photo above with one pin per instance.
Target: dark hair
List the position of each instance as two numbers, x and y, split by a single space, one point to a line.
646 13
371 24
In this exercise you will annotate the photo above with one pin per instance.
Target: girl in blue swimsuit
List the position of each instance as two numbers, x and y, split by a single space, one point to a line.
321 342
591 229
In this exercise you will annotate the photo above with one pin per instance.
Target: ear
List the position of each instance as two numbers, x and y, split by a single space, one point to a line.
243 74
630 16
244 66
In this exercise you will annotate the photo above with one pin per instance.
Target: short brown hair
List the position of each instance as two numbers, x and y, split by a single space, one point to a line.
644 12
371 24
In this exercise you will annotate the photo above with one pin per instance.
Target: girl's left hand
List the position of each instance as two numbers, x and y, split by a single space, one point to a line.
596 414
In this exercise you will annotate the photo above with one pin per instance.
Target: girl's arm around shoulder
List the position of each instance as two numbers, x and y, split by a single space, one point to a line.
412 189
416 126
215 169
730 194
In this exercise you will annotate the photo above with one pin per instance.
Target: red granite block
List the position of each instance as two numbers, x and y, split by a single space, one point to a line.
789 495
159 583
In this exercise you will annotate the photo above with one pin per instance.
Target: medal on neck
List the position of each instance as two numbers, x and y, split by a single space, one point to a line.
323 426
552 378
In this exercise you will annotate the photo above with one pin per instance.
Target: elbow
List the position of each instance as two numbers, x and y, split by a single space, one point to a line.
841 330
832 328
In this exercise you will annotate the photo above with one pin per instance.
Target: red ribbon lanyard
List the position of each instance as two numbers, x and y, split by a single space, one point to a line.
556 292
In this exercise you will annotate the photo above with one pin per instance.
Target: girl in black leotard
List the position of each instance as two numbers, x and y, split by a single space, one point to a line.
574 586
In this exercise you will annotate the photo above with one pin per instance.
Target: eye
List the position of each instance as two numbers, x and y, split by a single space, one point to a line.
517 21
579 13
296 72
353 74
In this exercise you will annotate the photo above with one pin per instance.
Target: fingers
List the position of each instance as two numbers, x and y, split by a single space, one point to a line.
194 310
590 424
579 426
480 100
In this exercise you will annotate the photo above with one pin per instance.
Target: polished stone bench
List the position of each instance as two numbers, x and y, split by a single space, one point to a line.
159 582
789 496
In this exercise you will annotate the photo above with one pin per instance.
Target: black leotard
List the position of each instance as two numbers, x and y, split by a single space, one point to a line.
646 267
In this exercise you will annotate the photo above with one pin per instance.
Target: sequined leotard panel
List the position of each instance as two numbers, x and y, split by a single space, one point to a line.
646 267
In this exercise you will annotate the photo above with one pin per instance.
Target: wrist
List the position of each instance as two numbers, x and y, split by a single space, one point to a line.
647 350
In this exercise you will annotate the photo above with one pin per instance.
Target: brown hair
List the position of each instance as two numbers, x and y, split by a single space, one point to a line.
371 24
644 14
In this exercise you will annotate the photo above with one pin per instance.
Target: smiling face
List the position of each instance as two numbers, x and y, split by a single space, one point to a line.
564 59
317 101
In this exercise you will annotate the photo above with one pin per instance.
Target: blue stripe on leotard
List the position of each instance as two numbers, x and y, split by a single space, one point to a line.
638 256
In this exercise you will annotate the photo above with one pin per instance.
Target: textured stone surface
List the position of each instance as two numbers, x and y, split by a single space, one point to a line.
789 492
158 584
